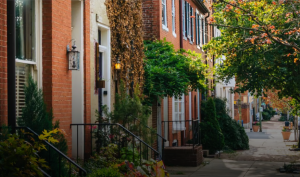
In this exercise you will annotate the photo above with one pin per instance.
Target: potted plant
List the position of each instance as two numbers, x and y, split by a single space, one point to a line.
286 133
255 126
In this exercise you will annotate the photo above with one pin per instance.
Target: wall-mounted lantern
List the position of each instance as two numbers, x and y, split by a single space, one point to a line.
74 58
118 65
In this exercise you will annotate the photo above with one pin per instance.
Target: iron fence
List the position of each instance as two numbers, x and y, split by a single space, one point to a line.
182 132
101 135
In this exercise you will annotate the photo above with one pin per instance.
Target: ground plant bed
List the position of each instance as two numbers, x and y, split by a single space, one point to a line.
290 168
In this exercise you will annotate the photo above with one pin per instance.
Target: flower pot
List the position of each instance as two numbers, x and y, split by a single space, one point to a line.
255 128
286 135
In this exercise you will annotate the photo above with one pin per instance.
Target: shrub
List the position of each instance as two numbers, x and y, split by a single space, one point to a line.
235 136
282 118
36 117
212 137
266 115
105 172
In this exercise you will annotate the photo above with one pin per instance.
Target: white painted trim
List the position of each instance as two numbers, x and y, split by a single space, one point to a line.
164 27
174 34
190 106
26 62
39 43
107 59
103 26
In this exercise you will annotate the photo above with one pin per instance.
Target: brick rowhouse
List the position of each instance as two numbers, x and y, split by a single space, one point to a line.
154 27
56 80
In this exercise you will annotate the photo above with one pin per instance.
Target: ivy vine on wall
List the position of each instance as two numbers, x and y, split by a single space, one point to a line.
125 19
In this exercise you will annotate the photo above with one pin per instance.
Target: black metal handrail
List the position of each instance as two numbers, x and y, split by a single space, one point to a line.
62 156
183 124
102 126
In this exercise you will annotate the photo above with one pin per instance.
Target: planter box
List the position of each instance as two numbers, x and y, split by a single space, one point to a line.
100 84
286 135
255 128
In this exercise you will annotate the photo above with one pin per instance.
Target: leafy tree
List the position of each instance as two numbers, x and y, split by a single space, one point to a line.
212 137
261 44
169 72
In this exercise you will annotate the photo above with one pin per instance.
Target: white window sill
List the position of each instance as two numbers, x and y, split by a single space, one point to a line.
198 47
26 61
184 38
174 34
164 27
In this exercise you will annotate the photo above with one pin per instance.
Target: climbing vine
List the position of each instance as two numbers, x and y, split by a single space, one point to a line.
125 18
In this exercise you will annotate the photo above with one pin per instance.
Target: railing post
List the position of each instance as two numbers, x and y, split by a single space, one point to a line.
140 153
133 149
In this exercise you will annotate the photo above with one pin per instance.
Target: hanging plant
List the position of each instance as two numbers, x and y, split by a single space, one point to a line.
125 19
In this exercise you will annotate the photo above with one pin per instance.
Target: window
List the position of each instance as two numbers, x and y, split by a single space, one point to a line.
203 31
178 113
186 19
173 18
164 15
183 19
27 55
25 30
192 24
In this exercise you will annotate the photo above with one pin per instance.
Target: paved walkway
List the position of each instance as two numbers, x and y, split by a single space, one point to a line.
267 153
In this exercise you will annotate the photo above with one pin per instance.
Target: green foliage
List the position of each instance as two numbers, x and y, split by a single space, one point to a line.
169 72
107 157
19 157
131 154
35 114
212 137
282 118
260 45
266 115
235 137
36 117
131 113
105 172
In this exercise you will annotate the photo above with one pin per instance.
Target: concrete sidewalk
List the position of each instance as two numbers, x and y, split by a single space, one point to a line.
230 168
268 152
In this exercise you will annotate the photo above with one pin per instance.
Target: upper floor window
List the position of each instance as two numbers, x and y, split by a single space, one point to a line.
191 25
173 18
164 15
25 29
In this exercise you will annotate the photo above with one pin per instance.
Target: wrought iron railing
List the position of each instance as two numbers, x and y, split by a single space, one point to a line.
182 132
103 134
65 165
159 138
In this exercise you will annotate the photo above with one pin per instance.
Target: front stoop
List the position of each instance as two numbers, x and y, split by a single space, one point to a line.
183 156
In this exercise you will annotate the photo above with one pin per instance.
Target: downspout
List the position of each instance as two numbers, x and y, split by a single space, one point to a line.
11 65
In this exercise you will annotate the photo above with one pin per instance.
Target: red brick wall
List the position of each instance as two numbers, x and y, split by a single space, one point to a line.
3 63
57 79
151 19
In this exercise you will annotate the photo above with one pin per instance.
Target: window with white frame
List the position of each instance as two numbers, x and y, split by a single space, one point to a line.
203 31
173 18
183 19
164 15
27 54
192 25
178 113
